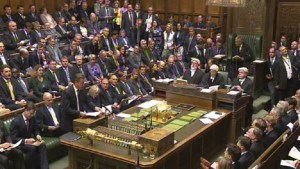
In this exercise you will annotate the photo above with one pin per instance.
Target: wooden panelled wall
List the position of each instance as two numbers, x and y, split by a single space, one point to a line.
50 4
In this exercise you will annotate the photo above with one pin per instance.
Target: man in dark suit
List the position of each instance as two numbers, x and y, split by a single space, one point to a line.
106 41
13 38
19 17
179 36
200 22
199 52
128 23
247 158
23 87
194 75
242 56
135 85
243 84
149 17
257 146
271 135
270 69
109 96
48 117
106 16
14 155
103 62
38 56
61 28
36 33
53 77
32 16
21 62
4 57
213 78
65 73
146 56
189 42
25 33
285 75
171 68
84 12
292 113
79 67
73 27
218 49
181 66
7 14
9 94
145 80
24 128
73 103
92 47
93 24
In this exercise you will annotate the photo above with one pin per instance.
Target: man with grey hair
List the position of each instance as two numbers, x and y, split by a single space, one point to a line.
242 56
279 115
13 38
93 24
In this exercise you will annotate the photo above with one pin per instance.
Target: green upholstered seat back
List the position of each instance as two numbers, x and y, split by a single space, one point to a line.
7 123
254 41
225 76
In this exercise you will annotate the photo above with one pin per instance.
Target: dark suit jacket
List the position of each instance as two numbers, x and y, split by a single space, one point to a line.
84 14
201 56
111 65
196 79
246 160
293 115
19 20
20 89
74 29
126 25
44 119
105 45
280 74
50 77
180 66
35 36
68 107
207 82
9 40
18 129
64 35
102 14
6 19
188 46
216 51
178 39
146 83
124 87
21 64
246 53
91 49
136 87
247 85
7 59
257 148
33 18
269 138
172 71
107 97
85 70
200 25
5 96
34 59
62 75
270 67
146 56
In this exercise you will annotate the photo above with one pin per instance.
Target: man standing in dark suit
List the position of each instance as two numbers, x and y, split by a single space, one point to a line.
106 16
285 75
9 94
128 23
243 84
247 158
242 56
189 42
24 128
270 69
200 22
199 52
194 75
48 117
72 105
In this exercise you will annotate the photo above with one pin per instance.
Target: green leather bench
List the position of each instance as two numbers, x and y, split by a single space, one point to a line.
54 149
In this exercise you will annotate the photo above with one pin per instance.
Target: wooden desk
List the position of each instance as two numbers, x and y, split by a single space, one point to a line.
90 122
194 140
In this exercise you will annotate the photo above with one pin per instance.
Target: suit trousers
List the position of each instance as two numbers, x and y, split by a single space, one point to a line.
14 155
31 153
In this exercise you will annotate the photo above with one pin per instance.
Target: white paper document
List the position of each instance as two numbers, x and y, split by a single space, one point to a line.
214 115
13 146
258 61
124 115
93 114
294 153
206 90
206 120
290 125
233 92
219 56
149 104
288 163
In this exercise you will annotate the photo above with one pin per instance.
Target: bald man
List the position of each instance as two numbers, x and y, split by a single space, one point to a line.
47 117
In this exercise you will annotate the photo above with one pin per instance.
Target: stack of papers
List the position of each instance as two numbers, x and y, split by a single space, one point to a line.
92 114
294 153
206 120
149 104
124 115
13 146
206 90
214 115
233 92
